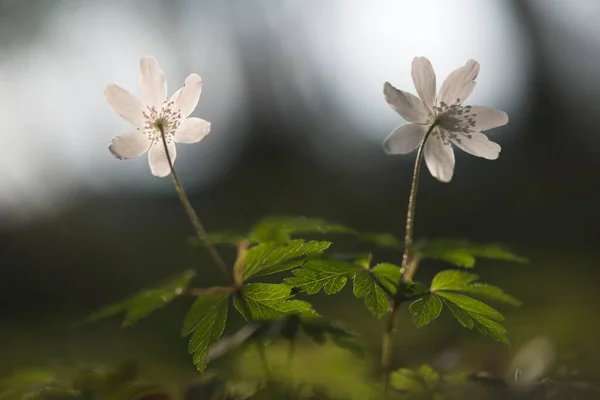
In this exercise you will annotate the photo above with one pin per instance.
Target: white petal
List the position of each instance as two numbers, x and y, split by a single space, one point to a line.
153 86
129 145
404 139
488 118
409 106
192 130
459 84
186 98
479 145
439 158
129 107
424 80
157 158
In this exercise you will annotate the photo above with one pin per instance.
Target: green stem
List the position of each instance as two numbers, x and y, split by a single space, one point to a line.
198 227
412 203
407 267
263 359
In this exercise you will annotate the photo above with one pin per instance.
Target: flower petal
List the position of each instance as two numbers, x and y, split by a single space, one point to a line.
153 86
409 106
129 145
157 158
439 157
488 118
424 80
404 139
459 84
186 98
129 107
192 130
479 145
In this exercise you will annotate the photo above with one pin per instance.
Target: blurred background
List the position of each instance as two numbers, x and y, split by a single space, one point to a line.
294 92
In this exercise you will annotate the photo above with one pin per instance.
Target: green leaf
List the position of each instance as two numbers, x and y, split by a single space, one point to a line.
484 323
471 305
280 228
452 279
266 301
425 310
376 299
230 238
320 274
145 302
463 282
489 292
270 258
463 253
206 320
388 275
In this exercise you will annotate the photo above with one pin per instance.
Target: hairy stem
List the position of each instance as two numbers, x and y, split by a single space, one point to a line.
408 265
198 227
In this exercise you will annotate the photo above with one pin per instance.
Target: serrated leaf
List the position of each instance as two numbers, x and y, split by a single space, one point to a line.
464 283
388 275
425 310
320 274
489 292
206 320
266 301
483 323
452 279
471 305
270 258
463 253
279 229
145 302
376 299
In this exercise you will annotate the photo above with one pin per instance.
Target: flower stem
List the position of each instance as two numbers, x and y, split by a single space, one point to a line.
198 227
408 267
412 205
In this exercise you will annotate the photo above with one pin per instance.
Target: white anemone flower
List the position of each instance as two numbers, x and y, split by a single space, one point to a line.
154 115
454 123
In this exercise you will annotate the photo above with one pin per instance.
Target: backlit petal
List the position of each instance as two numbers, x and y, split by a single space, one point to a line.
153 86
186 98
479 145
157 158
404 139
424 80
409 106
129 145
129 107
459 84
439 158
192 130
488 118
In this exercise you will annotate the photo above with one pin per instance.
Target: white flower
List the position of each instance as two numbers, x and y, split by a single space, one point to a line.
454 123
154 115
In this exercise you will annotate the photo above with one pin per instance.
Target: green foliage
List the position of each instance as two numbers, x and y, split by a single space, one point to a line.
206 320
270 258
421 383
319 329
463 253
267 301
457 291
425 310
144 303
321 274
376 300
280 229
98 383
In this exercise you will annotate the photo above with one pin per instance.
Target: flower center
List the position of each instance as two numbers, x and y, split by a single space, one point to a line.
457 121
164 119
